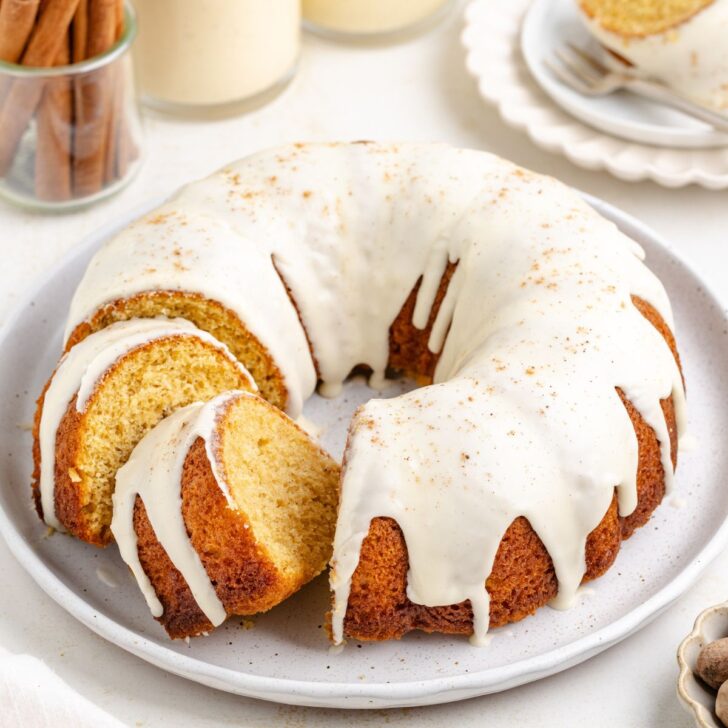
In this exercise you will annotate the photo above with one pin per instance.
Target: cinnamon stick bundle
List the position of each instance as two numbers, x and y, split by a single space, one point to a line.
83 138
24 94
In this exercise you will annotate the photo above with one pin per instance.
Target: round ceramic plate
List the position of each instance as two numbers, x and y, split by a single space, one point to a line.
551 24
284 655
492 39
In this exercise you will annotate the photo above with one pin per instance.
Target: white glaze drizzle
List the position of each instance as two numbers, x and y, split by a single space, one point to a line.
185 248
536 330
154 473
692 58
80 370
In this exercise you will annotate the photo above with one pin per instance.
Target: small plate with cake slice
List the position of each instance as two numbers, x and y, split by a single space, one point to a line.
675 53
507 45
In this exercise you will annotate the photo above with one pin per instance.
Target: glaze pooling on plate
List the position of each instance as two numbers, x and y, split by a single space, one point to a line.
154 473
691 57
78 373
535 333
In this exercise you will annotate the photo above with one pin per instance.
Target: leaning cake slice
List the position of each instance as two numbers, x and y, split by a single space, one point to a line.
224 508
104 395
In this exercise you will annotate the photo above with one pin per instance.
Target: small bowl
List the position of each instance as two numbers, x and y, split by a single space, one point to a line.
697 698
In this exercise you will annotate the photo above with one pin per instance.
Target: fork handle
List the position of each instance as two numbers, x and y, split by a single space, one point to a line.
658 92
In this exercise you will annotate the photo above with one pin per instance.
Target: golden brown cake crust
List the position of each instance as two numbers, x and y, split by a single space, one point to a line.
67 495
206 314
523 578
244 577
35 478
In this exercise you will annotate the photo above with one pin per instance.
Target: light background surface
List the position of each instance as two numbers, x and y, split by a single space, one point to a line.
418 90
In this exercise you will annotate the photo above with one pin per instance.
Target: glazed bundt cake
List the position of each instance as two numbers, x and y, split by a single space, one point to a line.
679 42
104 395
380 603
549 428
257 516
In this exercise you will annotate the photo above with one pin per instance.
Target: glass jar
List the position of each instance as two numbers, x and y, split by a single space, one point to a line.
215 55
71 134
371 19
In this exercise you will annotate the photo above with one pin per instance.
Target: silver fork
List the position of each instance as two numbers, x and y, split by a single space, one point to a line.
587 75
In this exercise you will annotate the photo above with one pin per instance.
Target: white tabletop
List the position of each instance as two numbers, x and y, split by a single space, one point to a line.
417 90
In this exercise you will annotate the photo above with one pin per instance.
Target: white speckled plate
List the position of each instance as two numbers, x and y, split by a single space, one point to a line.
492 37
285 656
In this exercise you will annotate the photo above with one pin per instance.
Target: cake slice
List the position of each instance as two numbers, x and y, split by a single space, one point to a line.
104 395
680 43
639 18
224 508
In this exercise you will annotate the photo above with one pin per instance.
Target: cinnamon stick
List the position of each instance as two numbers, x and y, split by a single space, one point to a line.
17 18
119 29
24 94
128 151
93 105
101 26
79 30
79 35
111 164
50 32
53 130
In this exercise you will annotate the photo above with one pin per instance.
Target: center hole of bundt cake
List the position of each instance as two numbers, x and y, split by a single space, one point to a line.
327 419
278 477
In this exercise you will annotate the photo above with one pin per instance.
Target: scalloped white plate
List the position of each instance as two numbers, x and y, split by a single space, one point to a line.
285 657
550 24
492 40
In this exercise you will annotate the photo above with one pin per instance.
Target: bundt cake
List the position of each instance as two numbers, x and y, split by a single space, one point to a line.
549 428
680 42
105 393
226 507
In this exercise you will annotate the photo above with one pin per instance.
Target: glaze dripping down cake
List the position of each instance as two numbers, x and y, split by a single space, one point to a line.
258 509
104 395
547 429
